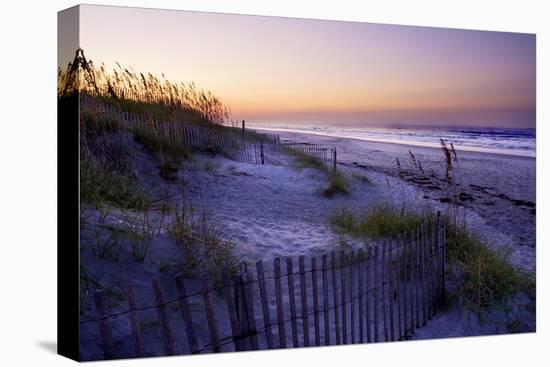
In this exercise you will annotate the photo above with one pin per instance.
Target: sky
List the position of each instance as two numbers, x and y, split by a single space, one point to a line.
273 70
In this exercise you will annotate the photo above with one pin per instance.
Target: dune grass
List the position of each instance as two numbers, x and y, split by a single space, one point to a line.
487 279
99 185
158 144
336 184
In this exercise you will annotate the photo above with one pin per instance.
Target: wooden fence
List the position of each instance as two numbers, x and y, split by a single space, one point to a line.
234 143
382 293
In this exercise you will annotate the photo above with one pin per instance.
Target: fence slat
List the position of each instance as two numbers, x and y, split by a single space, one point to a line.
231 308
325 300
249 301
242 314
384 291
416 278
292 301
375 292
279 301
104 328
391 299
344 297
210 315
335 294
360 285
163 318
315 301
137 342
352 296
368 292
303 295
265 304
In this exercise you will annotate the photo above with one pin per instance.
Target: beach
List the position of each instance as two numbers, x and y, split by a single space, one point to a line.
273 212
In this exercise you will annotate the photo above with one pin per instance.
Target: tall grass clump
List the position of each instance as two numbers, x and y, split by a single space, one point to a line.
158 144
204 245
488 277
100 185
140 92
336 184
380 221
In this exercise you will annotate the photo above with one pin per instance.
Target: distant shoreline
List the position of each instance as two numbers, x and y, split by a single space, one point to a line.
406 145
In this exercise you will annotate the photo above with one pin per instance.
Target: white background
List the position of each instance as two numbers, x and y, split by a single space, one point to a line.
28 182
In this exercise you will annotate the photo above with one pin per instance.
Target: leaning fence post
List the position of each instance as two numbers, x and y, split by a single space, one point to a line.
376 294
315 300
104 328
352 296
240 303
384 291
344 296
292 301
231 308
334 160
186 314
210 315
249 300
163 318
335 294
134 322
303 296
443 259
279 301
368 292
265 304
326 300
360 275
391 285
262 159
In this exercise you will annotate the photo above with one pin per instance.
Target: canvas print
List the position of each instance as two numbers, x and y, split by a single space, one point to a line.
257 183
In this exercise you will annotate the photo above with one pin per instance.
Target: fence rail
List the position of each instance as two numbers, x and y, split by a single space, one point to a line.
234 143
345 297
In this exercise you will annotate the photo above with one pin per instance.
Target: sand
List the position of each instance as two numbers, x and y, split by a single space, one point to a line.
274 212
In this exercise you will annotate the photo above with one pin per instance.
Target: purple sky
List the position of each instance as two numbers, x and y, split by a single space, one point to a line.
284 70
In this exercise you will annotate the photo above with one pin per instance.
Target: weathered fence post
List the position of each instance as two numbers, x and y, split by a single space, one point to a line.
231 308
391 273
292 301
210 315
334 160
376 294
443 259
279 301
384 292
163 318
240 303
352 296
360 275
325 300
265 304
134 322
249 302
262 158
303 296
344 300
315 300
104 328
335 294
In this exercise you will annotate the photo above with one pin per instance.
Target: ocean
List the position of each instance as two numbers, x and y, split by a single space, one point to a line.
510 141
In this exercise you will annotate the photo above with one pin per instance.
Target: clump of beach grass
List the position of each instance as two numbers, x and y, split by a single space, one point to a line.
100 185
155 143
362 178
205 245
336 184
487 279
